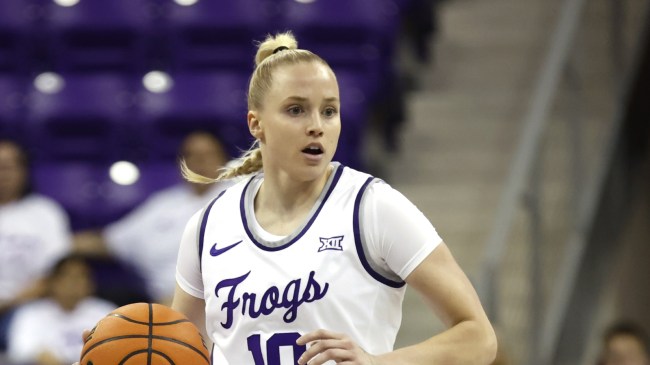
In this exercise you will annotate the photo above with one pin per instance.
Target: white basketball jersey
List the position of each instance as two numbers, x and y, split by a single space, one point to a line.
261 295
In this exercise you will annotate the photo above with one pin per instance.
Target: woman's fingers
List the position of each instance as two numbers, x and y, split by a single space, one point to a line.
334 354
326 345
320 334
85 334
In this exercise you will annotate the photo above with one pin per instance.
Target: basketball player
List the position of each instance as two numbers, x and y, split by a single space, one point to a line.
306 260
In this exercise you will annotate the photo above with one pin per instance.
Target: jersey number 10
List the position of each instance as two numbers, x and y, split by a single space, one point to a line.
273 345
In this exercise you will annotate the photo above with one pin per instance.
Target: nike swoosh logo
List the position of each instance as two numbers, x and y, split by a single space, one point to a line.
214 251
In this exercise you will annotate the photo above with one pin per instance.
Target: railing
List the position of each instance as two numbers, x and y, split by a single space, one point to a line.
554 196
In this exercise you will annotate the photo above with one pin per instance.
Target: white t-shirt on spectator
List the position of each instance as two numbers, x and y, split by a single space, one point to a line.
43 325
150 235
34 234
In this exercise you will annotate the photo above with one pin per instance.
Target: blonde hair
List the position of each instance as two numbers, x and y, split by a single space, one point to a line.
273 52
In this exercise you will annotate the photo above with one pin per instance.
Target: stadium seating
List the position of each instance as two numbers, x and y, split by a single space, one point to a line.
74 185
91 197
215 34
359 35
12 97
355 108
18 19
213 101
100 35
79 118
102 112
347 33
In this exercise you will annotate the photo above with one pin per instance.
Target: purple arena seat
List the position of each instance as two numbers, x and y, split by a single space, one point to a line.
89 195
216 34
99 34
355 108
211 101
12 99
17 28
359 34
344 32
86 120
74 186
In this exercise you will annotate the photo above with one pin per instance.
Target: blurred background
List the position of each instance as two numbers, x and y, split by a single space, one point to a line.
519 127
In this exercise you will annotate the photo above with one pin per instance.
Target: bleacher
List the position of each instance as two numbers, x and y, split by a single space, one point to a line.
77 87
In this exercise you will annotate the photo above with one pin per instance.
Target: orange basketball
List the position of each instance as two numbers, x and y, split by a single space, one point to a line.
145 334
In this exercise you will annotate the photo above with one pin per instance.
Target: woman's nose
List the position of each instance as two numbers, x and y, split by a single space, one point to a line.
315 128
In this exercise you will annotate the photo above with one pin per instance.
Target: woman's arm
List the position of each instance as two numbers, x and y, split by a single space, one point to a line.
194 309
402 240
469 338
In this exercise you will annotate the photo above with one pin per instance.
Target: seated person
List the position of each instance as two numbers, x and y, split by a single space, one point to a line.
625 344
148 238
34 233
47 331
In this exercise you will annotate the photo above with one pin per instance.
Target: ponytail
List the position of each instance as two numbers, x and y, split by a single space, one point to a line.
248 163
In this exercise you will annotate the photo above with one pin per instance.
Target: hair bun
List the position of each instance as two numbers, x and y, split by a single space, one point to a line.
273 44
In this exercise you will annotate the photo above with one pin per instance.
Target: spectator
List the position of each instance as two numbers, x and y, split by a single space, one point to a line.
148 238
625 343
34 232
46 331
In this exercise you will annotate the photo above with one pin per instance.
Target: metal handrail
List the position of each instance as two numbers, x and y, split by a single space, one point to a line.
577 242
521 187
534 125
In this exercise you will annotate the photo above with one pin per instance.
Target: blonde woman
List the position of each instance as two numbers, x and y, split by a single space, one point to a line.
305 260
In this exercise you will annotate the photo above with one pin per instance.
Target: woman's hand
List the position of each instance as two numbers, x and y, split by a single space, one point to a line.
331 346
84 336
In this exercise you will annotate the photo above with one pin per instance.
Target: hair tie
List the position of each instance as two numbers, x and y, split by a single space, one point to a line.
281 48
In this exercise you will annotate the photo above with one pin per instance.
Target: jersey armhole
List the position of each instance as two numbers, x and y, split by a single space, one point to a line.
202 224
374 269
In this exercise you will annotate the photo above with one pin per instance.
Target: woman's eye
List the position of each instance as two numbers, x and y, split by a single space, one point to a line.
329 112
295 110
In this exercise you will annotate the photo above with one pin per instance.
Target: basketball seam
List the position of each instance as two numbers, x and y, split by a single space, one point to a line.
117 315
130 355
151 338
150 346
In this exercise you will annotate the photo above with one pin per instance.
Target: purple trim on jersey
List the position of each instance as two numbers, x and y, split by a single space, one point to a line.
204 223
357 240
242 208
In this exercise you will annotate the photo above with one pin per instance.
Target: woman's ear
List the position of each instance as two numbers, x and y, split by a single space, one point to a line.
254 125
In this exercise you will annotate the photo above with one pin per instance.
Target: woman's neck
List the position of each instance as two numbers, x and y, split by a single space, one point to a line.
281 203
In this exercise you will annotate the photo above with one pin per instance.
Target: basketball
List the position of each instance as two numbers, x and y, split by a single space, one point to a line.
145 334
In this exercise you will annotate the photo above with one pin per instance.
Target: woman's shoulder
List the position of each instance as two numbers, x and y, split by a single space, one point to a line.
377 194
238 183
228 184
343 175
372 186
